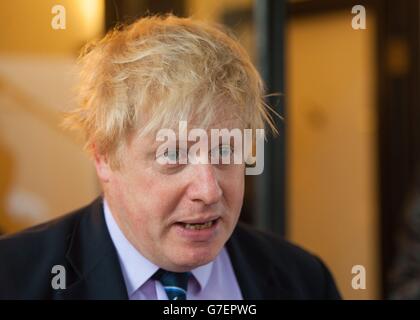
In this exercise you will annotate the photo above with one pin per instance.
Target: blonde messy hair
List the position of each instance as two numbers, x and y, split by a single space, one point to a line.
160 70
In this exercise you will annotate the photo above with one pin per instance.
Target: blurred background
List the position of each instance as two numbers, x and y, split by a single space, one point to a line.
337 181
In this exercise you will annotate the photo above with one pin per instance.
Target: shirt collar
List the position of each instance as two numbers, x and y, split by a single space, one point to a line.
137 269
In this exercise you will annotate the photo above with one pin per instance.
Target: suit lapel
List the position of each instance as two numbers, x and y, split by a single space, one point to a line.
256 276
94 260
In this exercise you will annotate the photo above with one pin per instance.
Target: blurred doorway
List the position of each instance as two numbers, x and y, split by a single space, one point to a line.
353 132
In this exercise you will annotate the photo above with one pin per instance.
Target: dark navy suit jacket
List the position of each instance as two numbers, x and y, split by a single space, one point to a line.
265 266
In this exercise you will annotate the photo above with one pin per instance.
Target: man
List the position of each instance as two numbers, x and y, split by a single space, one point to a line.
166 226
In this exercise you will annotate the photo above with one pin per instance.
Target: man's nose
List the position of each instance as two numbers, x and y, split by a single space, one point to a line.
205 185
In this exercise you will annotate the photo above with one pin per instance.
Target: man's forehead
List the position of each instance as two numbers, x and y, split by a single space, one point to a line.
230 123
183 128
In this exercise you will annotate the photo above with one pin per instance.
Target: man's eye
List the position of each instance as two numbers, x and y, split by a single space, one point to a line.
225 151
171 155
222 154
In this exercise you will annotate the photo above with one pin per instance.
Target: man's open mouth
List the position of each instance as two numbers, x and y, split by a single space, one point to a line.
199 226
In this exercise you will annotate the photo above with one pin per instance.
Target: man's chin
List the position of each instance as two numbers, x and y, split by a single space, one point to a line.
191 258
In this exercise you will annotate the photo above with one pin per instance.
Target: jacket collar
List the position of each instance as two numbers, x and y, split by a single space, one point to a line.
93 257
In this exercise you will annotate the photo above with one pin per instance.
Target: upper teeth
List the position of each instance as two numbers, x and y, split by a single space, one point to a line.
198 226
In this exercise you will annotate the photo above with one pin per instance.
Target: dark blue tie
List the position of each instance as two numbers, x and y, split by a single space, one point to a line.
174 283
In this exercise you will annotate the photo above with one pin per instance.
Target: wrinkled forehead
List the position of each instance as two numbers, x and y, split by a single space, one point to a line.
217 124
186 130
221 116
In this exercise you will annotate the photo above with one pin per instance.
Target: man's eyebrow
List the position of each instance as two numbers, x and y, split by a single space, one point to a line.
156 144
152 148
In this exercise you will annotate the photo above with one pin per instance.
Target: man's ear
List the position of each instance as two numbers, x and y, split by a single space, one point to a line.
102 165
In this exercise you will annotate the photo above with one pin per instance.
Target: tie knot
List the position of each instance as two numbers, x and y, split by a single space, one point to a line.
174 283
